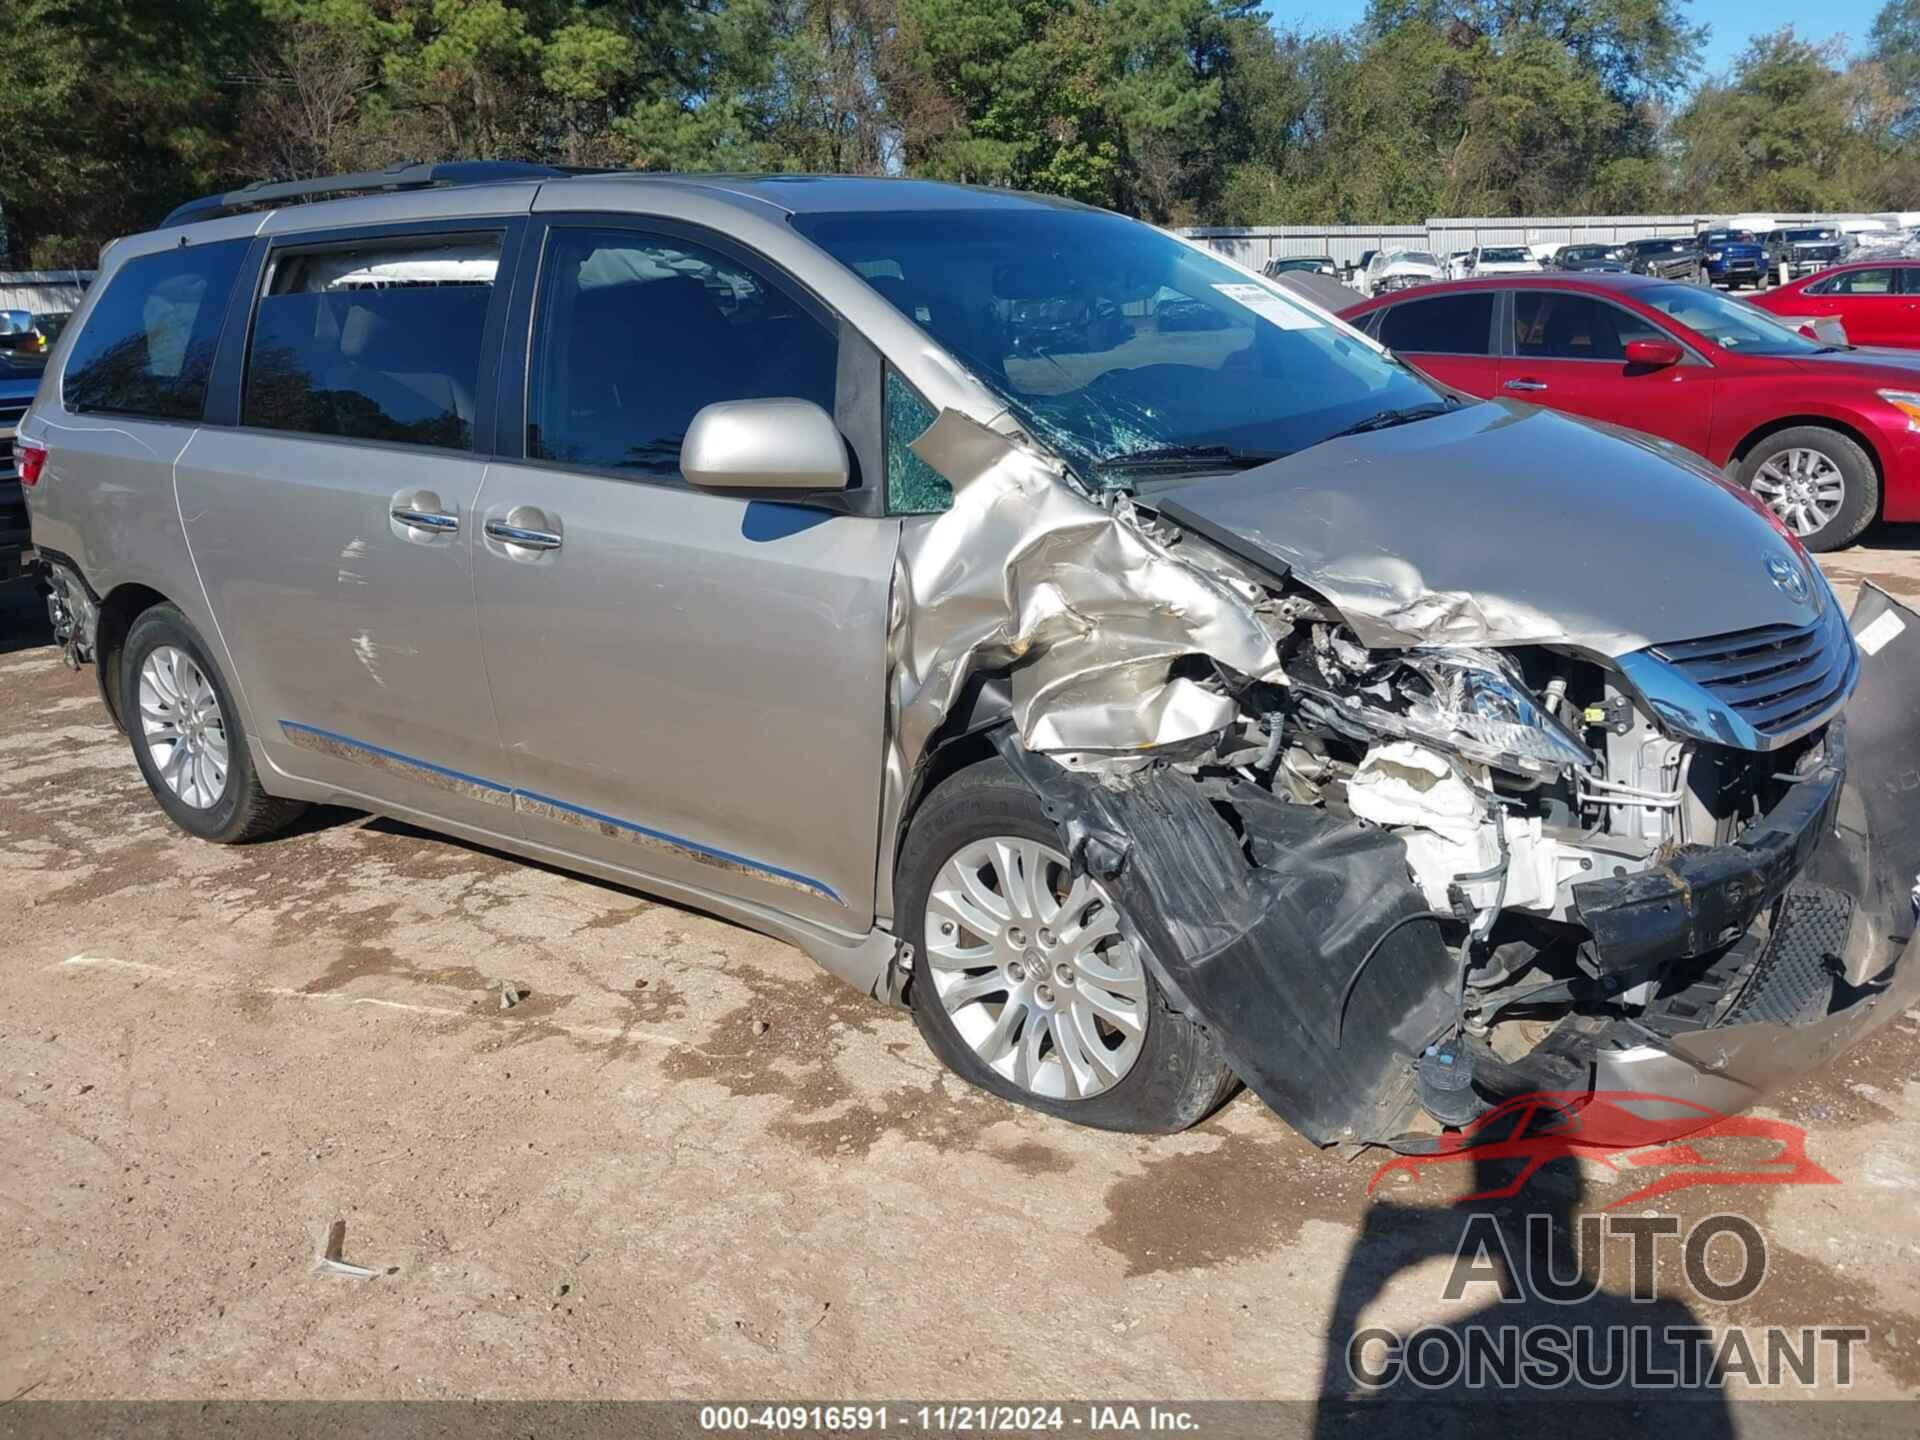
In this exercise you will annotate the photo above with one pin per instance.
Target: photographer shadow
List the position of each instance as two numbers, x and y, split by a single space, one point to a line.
1527 1278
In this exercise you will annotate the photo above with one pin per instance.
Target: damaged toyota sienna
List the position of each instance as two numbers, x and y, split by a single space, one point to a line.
1038 619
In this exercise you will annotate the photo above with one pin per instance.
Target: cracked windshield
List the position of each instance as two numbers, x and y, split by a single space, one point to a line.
1131 354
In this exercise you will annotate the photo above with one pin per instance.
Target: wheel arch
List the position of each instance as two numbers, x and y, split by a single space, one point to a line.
122 605
1853 432
965 740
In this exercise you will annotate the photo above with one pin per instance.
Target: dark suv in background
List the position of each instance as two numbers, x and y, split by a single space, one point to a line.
1666 259
1734 257
1803 250
1586 257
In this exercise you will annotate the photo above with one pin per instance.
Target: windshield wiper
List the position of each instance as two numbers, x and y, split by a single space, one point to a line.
1187 457
1387 419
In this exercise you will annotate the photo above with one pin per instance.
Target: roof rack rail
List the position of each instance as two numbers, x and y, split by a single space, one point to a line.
408 176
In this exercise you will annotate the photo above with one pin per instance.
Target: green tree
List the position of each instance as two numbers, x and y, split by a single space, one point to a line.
1110 101
1780 132
1896 50
113 110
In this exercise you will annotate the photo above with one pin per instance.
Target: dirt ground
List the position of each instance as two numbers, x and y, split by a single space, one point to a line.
689 1163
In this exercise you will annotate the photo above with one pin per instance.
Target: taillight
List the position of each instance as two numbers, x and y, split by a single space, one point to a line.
30 458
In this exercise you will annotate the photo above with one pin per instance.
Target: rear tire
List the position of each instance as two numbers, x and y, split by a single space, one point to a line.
1173 1074
1820 483
187 737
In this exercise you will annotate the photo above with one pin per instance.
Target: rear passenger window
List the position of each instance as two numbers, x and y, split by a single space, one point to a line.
636 333
373 342
147 348
1443 325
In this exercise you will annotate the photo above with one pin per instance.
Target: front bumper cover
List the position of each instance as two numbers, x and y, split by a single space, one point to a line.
1839 960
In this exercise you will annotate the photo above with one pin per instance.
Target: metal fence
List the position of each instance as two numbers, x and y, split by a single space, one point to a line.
1257 244
44 292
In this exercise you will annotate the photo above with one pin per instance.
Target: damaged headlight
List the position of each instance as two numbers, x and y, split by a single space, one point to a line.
1481 710
1471 702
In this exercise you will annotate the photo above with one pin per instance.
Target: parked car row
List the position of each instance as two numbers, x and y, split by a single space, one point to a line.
1723 255
1827 436
1731 255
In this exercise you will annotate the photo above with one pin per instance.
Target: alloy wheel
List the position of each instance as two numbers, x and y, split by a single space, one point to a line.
1803 487
185 731
1028 961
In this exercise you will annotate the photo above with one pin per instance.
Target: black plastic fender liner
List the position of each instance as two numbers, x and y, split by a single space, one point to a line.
1257 930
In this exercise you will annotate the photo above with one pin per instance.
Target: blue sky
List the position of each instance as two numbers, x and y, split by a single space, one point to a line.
1733 22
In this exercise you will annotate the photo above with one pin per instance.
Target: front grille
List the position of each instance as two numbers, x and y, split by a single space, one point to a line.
9 422
1780 679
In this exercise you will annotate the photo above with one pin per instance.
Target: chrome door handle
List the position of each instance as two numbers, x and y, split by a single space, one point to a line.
520 535
1526 384
437 521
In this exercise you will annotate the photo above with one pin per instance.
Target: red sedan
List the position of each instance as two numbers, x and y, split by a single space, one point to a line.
1827 436
1877 300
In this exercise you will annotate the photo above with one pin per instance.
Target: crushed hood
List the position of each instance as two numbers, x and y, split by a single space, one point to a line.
1505 525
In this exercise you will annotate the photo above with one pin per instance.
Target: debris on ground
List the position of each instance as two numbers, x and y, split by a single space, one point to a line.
511 994
330 1256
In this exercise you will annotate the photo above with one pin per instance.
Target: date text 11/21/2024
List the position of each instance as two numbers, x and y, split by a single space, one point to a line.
1090 1418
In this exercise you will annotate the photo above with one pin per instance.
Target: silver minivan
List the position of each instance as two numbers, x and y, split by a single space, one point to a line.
1039 619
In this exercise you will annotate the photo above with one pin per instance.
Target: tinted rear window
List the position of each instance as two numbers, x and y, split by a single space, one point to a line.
374 343
147 348
1445 324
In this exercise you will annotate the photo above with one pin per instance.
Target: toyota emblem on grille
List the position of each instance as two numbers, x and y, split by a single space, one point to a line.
1788 576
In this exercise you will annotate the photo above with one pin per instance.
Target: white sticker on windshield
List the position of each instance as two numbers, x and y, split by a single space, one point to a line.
1874 638
1269 306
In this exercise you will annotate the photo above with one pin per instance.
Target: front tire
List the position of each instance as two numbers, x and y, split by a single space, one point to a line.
187 737
1820 483
1027 986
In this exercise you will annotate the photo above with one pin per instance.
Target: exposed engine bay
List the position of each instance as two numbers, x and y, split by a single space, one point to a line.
1400 879
1507 777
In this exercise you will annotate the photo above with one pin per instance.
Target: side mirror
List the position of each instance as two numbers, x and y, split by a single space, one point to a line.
764 445
16 322
1654 354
